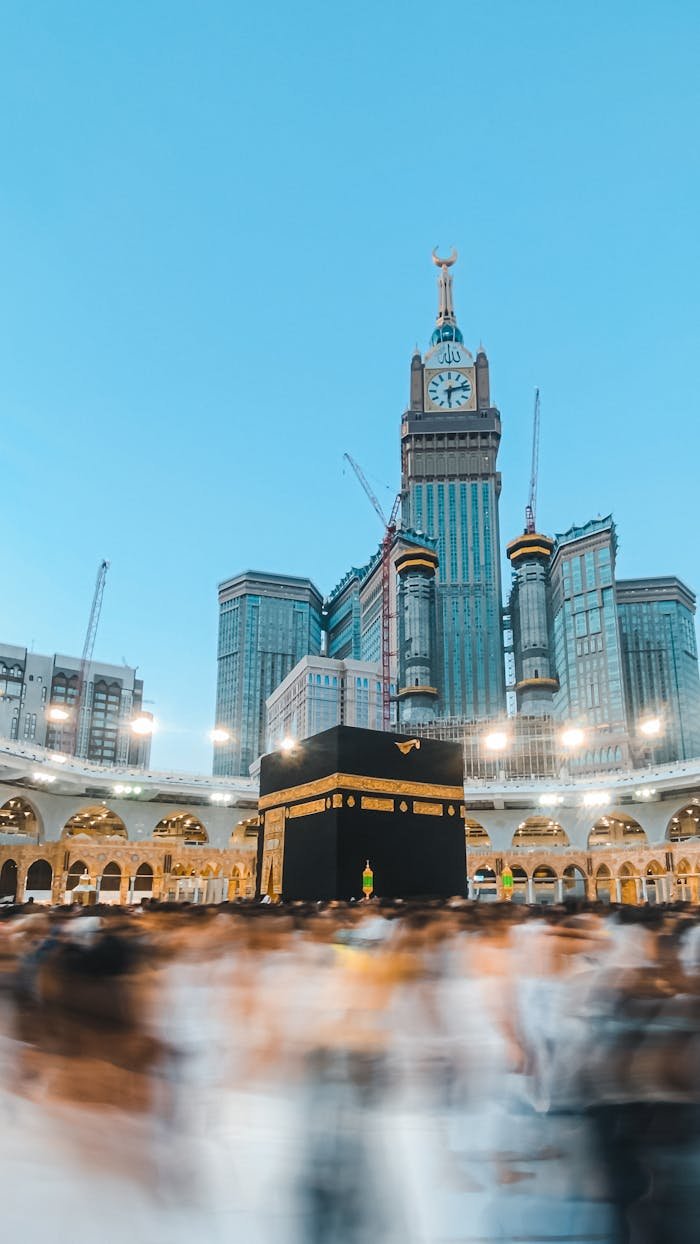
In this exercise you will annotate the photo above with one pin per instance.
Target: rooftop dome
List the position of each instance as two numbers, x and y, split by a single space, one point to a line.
446 332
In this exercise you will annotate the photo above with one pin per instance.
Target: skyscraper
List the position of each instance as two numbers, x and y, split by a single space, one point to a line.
660 663
450 436
267 623
585 636
353 620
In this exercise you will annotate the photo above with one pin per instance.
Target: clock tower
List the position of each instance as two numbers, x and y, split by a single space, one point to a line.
450 436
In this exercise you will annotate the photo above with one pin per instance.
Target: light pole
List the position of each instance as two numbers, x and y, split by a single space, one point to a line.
571 739
650 728
495 743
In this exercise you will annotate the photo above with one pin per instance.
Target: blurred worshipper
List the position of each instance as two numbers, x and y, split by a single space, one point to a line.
395 1071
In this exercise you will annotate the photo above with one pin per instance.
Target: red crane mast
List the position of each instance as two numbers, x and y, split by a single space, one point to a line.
389 525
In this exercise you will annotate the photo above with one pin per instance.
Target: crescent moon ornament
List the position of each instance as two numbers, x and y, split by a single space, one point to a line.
444 263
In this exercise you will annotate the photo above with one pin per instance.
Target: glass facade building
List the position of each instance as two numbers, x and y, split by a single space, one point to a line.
585 644
660 664
354 614
267 623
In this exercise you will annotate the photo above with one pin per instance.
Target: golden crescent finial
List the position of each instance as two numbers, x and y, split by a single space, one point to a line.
444 263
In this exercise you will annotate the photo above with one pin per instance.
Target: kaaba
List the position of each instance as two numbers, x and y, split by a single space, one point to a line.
346 796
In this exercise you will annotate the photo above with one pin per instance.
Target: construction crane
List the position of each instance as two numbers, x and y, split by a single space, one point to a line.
389 525
81 715
531 507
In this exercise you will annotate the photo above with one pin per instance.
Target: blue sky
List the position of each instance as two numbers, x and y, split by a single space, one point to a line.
215 236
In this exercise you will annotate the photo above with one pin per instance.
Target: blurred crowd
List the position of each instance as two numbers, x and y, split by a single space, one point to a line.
377 1071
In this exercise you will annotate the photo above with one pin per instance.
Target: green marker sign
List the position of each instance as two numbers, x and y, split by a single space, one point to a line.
367 880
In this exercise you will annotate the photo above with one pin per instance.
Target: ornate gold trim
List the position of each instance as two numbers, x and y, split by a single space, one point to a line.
530 550
273 856
415 561
355 782
369 803
307 809
549 684
427 809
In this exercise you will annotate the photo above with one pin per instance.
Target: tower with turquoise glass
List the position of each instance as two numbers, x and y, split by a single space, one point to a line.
450 435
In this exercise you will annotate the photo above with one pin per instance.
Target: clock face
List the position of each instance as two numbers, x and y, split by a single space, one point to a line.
449 390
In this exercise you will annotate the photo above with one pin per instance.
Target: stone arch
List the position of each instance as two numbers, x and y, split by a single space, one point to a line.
39 881
111 879
520 883
628 884
544 884
684 824
603 884
686 882
476 835
617 829
75 872
574 880
143 879
654 887
183 828
19 816
235 883
540 831
8 880
95 821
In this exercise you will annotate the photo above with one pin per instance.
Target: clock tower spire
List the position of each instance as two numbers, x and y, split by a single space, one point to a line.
450 483
446 311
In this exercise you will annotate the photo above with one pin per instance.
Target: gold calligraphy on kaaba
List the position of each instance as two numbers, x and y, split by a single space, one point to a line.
273 853
361 785
370 803
307 809
427 809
